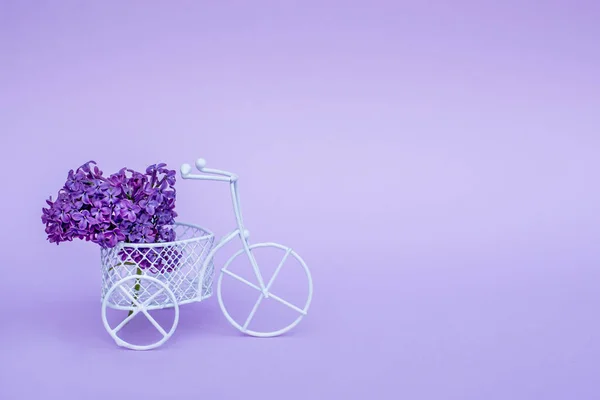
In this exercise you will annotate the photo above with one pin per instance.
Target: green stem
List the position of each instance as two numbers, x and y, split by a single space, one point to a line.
137 281
136 288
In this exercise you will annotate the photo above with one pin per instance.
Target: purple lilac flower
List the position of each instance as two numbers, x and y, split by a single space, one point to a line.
101 214
128 206
111 193
56 233
81 219
94 187
75 181
62 210
167 234
149 205
109 238
125 210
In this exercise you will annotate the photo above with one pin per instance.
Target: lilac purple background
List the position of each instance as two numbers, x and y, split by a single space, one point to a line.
435 163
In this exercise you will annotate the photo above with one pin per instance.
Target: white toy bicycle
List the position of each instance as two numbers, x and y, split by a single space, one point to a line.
141 277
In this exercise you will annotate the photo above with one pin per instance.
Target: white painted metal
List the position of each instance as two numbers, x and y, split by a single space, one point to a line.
264 290
138 306
191 278
155 286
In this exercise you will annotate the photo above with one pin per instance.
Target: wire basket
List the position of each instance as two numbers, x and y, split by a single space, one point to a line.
177 265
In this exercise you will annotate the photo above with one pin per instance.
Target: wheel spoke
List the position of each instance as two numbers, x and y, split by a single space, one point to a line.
260 298
133 300
256 270
153 322
141 308
126 320
287 253
264 288
142 301
290 305
239 278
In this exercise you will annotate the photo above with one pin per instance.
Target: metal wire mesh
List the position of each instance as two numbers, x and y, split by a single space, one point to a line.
178 265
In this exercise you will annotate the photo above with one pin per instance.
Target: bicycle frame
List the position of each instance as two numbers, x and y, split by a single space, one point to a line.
241 231
176 296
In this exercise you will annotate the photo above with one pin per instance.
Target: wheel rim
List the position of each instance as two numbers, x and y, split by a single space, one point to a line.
140 307
243 327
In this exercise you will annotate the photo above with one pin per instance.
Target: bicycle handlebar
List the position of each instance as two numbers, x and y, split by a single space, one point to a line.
201 166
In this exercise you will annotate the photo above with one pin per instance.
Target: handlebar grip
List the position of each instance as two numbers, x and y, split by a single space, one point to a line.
200 164
185 170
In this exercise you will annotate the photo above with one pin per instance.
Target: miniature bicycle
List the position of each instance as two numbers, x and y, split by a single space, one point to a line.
140 277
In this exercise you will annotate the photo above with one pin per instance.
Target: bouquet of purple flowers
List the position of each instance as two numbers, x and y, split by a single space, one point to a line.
127 206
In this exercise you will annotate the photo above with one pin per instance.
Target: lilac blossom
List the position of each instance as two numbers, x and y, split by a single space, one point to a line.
128 206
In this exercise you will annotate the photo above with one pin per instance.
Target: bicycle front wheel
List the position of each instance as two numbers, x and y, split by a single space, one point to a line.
265 311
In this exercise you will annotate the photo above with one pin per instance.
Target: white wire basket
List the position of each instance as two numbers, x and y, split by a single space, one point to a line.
177 265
